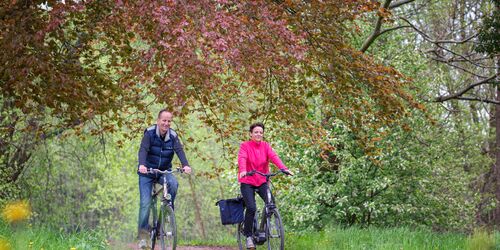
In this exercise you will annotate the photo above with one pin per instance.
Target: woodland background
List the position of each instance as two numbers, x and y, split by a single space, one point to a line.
388 112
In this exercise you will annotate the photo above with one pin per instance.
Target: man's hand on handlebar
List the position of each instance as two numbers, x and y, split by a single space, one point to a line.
143 169
186 169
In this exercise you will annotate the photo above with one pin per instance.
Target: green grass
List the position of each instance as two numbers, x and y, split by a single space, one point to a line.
387 239
223 240
373 239
25 237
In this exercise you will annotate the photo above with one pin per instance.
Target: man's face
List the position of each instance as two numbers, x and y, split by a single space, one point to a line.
164 121
257 134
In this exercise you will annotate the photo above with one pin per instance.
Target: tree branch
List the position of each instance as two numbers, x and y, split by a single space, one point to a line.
450 63
376 31
478 100
429 39
459 94
399 3
394 28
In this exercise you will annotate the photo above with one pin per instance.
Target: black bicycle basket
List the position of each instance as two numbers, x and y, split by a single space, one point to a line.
231 210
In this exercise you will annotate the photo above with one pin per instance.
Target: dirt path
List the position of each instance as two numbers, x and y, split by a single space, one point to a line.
204 248
134 247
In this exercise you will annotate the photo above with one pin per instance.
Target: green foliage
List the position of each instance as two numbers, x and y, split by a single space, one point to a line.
87 183
405 183
27 237
489 34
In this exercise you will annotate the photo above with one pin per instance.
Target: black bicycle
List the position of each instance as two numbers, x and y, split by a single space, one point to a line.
163 221
270 229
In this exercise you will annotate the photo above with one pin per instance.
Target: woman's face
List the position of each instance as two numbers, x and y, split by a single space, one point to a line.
257 134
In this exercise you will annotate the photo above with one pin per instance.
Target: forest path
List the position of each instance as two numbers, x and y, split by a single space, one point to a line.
133 246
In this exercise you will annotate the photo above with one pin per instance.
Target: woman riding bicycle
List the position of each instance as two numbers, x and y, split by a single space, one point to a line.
255 154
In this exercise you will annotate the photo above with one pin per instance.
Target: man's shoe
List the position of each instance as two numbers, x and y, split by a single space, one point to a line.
250 244
143 244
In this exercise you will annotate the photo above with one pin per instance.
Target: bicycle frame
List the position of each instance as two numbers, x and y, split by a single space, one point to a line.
269 206
166 197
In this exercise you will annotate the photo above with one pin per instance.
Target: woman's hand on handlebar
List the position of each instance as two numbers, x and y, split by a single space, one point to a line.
287 172
243 174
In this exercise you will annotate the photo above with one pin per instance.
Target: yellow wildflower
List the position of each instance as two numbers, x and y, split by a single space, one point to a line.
4 244
16 211
73 248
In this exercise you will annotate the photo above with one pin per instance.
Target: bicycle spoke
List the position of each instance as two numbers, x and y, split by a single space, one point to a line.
153 222
275 232
241 237
167 233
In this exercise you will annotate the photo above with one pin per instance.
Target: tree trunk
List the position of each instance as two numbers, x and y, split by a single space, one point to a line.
496 167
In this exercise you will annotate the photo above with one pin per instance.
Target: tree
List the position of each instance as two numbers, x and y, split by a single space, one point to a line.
466 42
51 79
100 61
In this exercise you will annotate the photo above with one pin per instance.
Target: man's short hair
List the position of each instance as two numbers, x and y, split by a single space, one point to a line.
161 111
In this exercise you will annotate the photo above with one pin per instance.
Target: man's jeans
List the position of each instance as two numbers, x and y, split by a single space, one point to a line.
145 189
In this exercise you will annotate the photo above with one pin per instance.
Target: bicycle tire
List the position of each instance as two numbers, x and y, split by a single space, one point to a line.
153 235
153 220
167 231
241 237
275 232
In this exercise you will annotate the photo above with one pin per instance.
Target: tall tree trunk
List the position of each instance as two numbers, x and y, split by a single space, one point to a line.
496 167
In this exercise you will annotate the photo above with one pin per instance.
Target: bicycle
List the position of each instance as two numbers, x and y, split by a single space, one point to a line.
270 228
164 228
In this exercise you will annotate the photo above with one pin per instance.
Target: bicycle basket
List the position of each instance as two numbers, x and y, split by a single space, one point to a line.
231 210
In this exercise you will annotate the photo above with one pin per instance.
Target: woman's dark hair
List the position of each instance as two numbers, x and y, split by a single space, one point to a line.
257 124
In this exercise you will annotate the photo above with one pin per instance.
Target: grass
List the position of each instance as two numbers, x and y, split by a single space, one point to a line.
393 238
22 236
376 238
214 240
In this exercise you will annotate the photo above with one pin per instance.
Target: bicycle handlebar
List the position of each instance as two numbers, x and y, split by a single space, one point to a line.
268 175
154 171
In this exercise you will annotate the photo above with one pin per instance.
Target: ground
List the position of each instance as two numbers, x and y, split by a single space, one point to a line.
134 247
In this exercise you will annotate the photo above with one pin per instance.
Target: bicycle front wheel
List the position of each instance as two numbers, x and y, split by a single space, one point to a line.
167 233
241 236
275 231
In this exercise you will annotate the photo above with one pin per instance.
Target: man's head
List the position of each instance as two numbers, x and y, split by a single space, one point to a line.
164 120
257 131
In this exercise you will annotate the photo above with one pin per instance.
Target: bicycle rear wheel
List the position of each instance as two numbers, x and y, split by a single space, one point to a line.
275 231
167 233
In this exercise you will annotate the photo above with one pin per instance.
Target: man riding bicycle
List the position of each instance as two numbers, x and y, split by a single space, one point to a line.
158 145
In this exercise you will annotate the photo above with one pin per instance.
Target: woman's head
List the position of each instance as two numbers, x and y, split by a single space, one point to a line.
257 131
